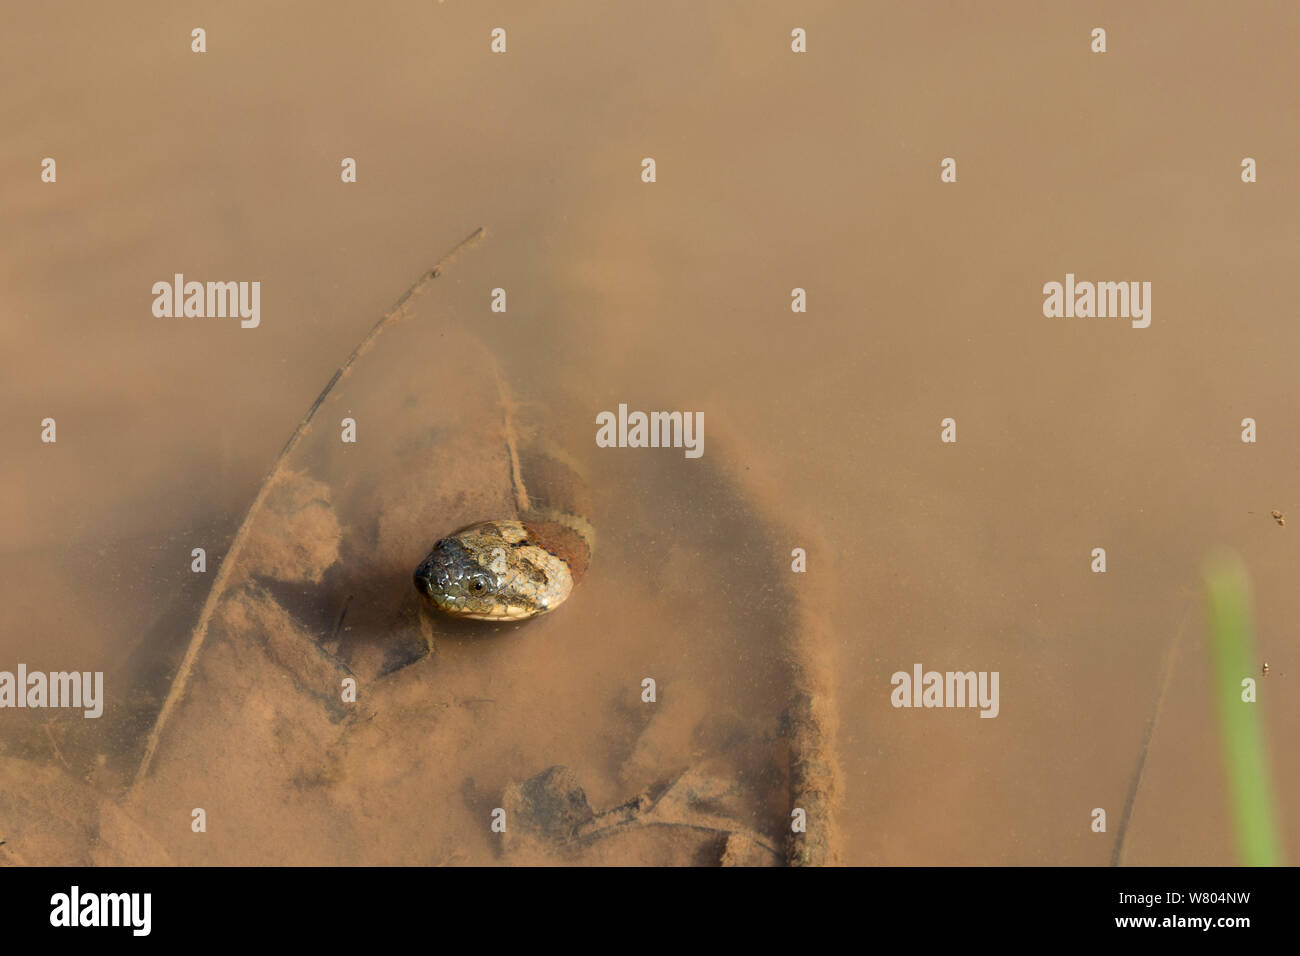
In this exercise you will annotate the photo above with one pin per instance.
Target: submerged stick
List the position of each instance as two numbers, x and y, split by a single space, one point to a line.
1171 654
177 689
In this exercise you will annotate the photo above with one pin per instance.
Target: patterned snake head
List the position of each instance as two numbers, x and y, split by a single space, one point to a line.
502 570
452 578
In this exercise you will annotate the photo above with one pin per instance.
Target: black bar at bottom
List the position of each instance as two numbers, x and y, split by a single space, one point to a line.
639 907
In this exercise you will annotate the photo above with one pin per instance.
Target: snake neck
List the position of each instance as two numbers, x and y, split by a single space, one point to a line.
568 536
553 501
550 495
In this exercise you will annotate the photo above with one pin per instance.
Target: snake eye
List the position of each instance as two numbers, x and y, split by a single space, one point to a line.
478 585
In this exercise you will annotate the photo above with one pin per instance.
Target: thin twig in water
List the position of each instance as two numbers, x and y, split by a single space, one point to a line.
1117 855
338 623
236 547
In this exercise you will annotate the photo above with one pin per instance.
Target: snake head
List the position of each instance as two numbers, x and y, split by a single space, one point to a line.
452 579
496 571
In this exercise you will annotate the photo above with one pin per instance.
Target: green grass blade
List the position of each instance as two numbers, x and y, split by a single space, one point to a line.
1240 727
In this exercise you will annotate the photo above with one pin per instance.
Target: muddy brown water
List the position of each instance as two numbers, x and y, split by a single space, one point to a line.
774 172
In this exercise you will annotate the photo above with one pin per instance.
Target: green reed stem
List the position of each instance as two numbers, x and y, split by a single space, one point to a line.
1240 727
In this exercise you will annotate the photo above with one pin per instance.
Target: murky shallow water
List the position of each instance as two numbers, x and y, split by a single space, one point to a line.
774 172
